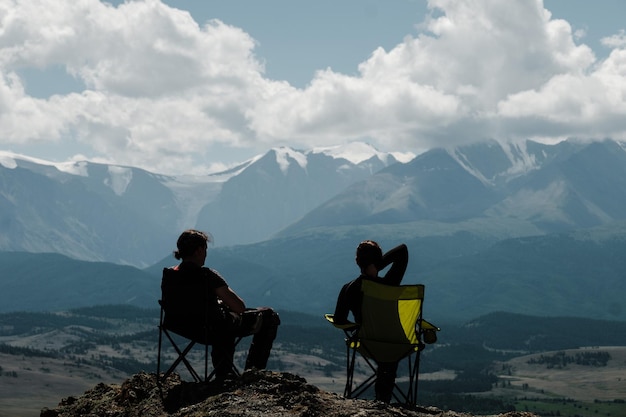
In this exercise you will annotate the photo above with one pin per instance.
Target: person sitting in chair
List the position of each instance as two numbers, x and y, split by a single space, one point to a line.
227 313
370 259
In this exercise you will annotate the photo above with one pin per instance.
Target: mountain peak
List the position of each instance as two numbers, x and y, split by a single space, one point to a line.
285 154
357 152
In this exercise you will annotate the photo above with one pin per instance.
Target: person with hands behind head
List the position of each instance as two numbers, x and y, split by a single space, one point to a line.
228 314
371 260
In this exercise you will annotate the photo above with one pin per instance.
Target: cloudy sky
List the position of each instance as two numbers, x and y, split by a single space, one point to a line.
185 86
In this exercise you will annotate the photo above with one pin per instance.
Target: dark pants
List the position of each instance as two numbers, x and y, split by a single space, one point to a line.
261 323
385 380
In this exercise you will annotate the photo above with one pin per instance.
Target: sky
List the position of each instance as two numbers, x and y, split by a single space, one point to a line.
192 87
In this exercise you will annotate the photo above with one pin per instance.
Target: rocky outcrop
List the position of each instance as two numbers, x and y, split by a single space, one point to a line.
255 393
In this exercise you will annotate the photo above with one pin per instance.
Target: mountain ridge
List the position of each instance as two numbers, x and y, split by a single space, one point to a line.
101 212
553 187
466 274
506 218
127 215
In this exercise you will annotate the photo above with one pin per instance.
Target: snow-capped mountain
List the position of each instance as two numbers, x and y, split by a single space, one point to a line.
474 217
548 187
84 210
123 214
282 186
127 215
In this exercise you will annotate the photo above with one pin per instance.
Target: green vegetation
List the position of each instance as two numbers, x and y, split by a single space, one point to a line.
24 322
117 311
571 408
517 332
545 407
26 351
561 360
469 269
123 339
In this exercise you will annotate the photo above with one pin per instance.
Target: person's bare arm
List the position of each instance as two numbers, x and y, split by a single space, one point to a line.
398 257
231 299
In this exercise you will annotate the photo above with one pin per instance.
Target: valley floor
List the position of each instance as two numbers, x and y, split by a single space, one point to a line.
54 362
584 383
28 384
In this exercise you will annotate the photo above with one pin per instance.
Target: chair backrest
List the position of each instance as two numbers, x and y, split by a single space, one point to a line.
185 307
390 315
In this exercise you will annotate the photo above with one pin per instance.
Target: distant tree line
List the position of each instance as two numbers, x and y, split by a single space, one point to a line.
26 351
561 359
467 381
495 331
117 311
12 374
25 322
127 365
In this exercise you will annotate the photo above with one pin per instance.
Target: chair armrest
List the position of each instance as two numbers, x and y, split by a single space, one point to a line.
348 325
426 325
429 332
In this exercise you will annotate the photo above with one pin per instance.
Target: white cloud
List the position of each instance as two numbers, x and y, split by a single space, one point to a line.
444 85
585 105
161 90
617 40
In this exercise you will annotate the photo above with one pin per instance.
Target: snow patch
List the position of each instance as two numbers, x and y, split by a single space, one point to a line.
283 155
404 157
7 160
224 173
355 152
521 161
463 161
75 168
119 178
11 160
192 193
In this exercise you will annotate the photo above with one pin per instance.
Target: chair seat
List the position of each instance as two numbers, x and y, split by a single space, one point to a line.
384 351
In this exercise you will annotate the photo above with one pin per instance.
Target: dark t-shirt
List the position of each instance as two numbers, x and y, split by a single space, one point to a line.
192 272
349 299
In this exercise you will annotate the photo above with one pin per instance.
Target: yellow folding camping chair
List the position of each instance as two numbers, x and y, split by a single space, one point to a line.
392 329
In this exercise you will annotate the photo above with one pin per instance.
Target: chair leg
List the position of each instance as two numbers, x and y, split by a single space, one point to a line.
415 378
350 358
158 370
206 363
190 368
410 398
368 382
182 357
400 396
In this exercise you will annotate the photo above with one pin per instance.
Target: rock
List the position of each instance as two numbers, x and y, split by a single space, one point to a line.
254 393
